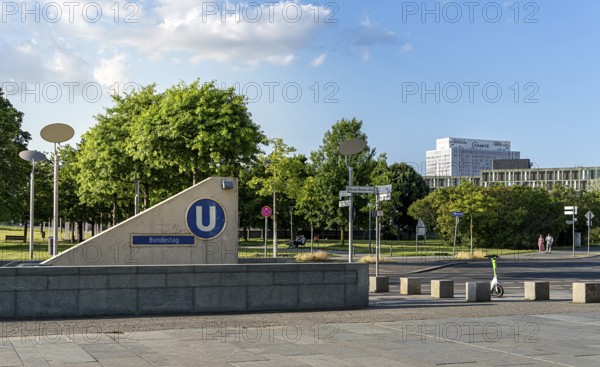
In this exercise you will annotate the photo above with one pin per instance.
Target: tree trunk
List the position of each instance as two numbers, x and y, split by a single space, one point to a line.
114 211
25 232
342 235
93 228
146 196
80 231
42 231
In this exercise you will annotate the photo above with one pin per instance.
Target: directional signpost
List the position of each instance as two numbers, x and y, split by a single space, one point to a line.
266 212
589 216
382 192
347 149
572 210
456 215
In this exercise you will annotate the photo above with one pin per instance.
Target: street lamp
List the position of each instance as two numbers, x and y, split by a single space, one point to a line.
31 156
292 224
56 133
274 215
348 148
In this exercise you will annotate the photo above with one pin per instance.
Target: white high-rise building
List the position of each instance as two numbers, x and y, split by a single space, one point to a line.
465 157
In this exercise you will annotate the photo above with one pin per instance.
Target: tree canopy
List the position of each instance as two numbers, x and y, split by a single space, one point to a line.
14 171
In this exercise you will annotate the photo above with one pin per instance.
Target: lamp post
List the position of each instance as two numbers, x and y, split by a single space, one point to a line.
31 156
56 133
136 181
291 224
348 148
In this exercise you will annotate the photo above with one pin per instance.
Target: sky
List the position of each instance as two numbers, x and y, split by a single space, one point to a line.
412 71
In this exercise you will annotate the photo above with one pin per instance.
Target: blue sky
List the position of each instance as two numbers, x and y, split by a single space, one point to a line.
412 71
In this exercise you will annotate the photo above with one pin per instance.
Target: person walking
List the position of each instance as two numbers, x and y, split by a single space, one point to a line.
549 242
541 244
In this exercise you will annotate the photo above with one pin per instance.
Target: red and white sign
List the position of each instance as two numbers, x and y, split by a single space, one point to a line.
266 211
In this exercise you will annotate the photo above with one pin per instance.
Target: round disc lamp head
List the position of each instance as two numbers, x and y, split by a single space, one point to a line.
57 133
32 155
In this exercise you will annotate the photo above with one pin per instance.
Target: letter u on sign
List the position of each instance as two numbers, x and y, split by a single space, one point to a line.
212 222
206 219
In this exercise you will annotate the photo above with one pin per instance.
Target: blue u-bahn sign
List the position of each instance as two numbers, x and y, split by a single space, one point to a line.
205 218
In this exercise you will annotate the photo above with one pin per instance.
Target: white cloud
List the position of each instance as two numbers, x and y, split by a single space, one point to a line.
201 30
111 71
407 47
183 31
318 61
368 35
67 66
282 60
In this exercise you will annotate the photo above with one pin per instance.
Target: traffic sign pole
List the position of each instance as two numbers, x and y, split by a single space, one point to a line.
572 210
350 219
377 235
456 215
589 216
266 212
455 232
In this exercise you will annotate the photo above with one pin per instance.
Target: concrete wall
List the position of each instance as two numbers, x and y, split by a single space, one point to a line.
114 246
180 289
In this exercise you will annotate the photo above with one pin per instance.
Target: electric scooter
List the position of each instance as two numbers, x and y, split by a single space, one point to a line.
495 287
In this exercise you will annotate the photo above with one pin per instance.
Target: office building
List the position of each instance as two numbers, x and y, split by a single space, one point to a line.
466 157
577 178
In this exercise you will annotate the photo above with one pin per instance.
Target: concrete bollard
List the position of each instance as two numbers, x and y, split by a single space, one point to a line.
410 286
442 289
478 292
537 291
379 284
586 292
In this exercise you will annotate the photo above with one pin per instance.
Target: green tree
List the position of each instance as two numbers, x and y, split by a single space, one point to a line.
505 217
519 215
283 176
14 172
250 202
408 186
200 129
72 208
331 173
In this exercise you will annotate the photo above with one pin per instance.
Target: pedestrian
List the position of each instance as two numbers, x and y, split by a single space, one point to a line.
541 244
549 242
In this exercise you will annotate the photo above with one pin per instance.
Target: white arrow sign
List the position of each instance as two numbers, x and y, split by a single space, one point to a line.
384 197
344 203
344 194
384 189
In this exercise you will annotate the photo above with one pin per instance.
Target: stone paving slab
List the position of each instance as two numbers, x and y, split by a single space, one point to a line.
531 340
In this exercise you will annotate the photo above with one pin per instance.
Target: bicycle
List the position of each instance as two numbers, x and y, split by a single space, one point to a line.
495 288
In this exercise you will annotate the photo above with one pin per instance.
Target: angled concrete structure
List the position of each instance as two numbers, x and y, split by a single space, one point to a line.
196 226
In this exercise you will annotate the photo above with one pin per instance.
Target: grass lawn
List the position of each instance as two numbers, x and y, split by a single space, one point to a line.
255 248
17 250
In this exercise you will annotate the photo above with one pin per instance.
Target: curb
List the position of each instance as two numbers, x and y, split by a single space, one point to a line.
436 267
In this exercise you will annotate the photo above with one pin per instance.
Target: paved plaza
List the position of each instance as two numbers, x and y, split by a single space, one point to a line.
396 330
